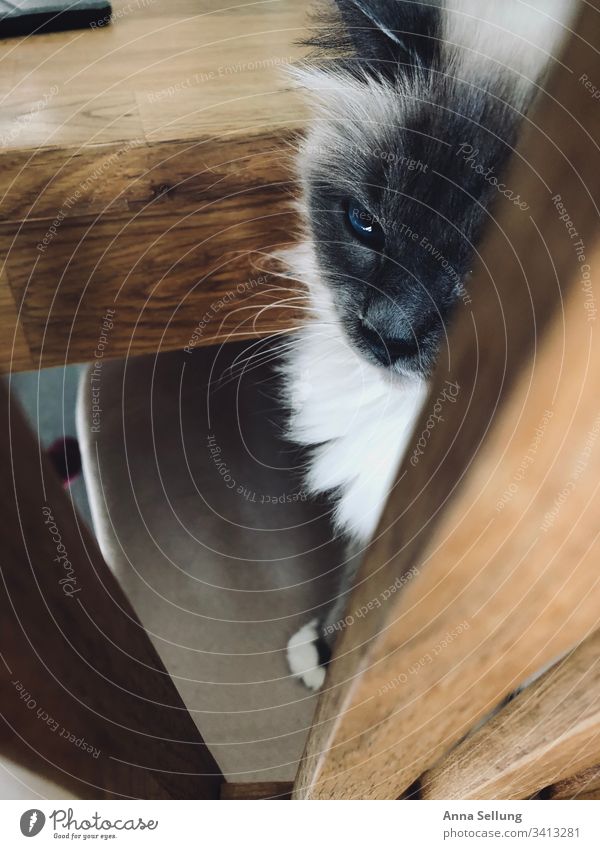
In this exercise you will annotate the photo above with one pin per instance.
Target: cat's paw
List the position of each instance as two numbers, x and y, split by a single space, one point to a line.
308 655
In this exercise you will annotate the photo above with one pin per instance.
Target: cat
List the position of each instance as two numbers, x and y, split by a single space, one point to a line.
416 109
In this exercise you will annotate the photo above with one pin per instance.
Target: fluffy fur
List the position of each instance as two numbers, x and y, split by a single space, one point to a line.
397 86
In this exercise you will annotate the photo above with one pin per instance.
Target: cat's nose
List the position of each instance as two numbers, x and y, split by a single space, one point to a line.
388 349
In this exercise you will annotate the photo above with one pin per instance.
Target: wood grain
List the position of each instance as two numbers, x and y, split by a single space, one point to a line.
582 785
497 579
14 350
161 71
86 700
548 732
256 790
146 167
187 241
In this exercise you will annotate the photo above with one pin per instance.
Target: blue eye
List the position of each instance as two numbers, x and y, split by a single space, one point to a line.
363 224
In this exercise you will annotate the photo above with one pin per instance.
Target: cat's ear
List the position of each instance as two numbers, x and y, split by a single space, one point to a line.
391 35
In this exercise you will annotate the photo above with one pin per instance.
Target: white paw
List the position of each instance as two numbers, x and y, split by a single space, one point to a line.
303 656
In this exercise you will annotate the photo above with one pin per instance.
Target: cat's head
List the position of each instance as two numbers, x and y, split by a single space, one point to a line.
401 164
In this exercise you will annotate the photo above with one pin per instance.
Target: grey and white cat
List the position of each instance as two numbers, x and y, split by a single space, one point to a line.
416 109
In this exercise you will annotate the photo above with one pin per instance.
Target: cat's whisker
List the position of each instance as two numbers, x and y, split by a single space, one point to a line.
248 365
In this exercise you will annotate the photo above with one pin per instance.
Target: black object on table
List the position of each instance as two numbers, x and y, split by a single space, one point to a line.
28 17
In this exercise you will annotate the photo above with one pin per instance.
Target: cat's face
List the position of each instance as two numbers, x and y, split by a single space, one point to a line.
398 172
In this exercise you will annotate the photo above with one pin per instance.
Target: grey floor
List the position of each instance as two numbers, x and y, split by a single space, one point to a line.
181 469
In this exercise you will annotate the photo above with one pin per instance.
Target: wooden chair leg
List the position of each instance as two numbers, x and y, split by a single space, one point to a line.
86 700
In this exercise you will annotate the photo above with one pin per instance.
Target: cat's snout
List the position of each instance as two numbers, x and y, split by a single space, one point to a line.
387 349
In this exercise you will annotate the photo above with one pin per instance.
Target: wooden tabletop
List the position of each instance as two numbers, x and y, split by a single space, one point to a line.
146 170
